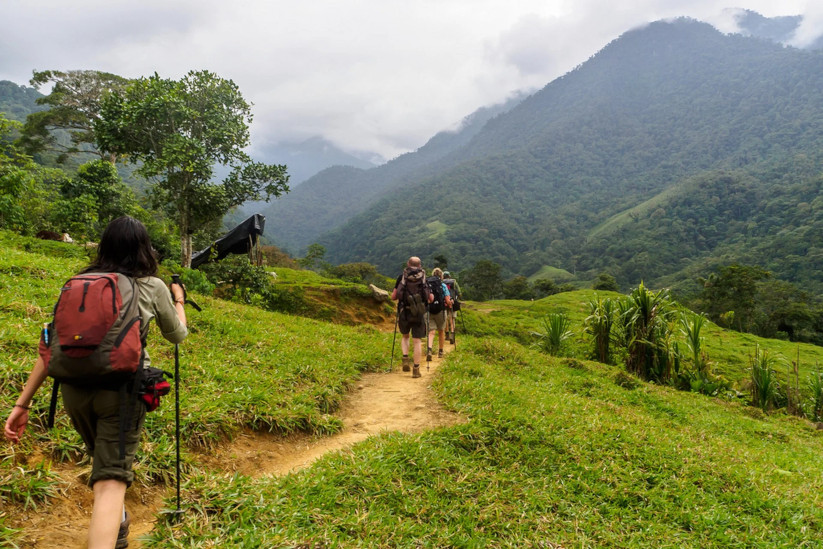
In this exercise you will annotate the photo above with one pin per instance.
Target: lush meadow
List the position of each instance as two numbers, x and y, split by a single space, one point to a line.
558 451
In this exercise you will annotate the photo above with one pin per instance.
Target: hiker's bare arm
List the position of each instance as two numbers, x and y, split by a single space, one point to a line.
394 294
179 300
179 296
19 416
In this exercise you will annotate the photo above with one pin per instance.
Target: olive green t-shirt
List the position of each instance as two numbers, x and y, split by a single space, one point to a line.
156 304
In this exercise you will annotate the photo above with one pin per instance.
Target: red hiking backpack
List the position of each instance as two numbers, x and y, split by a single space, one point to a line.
95 334
95 340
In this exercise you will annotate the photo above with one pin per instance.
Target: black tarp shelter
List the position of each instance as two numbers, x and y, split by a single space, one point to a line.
240 240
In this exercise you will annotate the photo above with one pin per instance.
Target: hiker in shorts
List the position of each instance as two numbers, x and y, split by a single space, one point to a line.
95 411
451 310
412 294
437 313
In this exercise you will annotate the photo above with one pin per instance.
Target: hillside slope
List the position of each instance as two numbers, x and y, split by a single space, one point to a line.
336 194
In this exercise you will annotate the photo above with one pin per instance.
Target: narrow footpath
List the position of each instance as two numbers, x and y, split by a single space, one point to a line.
380 402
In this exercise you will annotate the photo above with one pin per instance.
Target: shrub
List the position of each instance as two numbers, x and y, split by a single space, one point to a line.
554 335
238 279
647 335
814 387
765 388
599 325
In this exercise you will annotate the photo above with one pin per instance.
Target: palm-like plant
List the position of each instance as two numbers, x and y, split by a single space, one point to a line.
555 333
647 333
765 387
691 326
815 391
599 325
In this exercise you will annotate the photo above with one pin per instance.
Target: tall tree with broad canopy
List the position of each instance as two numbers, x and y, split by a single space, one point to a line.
179 131
74 106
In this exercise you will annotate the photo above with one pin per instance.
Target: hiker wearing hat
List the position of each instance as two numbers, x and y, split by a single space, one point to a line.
412 294
108 419
451 310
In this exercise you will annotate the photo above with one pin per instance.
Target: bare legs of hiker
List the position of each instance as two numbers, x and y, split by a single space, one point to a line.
107 513
417 345
441 342
438 322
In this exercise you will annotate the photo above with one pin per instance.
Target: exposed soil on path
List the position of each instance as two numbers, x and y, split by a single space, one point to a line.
380 402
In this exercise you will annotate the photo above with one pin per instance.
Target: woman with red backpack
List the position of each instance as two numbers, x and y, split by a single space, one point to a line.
96 409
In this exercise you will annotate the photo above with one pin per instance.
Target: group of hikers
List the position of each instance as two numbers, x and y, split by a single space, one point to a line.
425 305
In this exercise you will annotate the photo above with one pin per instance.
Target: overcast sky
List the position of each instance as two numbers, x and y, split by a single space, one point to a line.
378 76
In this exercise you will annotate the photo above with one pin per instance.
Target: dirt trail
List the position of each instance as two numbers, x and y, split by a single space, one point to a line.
380 402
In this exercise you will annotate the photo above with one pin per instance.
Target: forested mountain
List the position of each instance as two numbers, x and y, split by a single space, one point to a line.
777 29
675 145
309 157
18 101
336 194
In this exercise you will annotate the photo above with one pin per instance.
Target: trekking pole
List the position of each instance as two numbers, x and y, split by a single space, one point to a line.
428 338
178 511
454 332
394 338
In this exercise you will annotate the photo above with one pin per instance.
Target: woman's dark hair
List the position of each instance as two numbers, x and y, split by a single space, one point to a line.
125 248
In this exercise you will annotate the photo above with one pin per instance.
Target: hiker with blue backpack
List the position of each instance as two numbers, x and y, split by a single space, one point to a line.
412 294
437 312
95 348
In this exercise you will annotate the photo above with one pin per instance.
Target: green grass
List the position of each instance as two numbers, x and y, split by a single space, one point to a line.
643 209
241 367
557 451
729 352
436 229
552 273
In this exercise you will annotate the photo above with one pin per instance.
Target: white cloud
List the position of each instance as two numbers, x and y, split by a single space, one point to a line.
368 75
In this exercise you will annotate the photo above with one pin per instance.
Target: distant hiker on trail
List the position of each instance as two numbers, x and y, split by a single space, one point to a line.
437 312
412 294
451 310
97 402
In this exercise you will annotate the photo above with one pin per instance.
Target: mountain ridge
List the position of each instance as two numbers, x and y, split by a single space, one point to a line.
655 107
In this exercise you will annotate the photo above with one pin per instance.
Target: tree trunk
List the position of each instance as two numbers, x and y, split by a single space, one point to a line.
185 243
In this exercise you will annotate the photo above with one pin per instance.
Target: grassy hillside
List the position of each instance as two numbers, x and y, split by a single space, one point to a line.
557 452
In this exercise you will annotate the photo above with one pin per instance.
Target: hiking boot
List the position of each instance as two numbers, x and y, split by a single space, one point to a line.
440 353
406 363
416 371
451 339
429 355
123 533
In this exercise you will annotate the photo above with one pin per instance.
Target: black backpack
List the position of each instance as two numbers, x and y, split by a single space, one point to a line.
436 288
413 294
